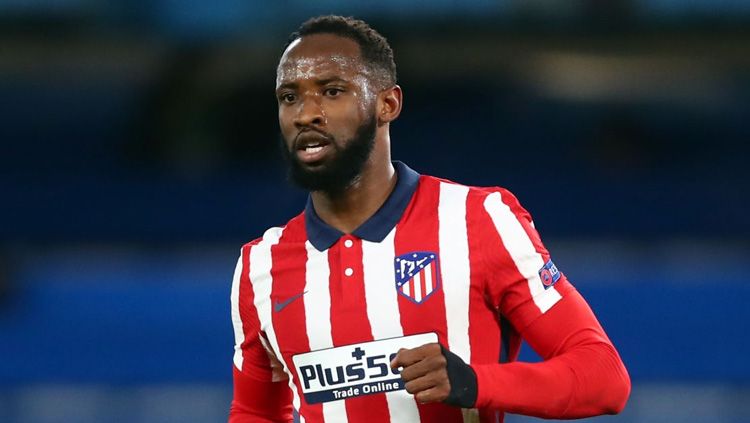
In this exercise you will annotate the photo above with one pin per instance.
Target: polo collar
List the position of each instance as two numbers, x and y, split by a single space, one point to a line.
322 236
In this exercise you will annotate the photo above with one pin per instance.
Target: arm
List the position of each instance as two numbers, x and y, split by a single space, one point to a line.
259 401
581 375
261 390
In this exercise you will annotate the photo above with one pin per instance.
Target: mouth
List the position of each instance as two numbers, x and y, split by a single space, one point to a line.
312 147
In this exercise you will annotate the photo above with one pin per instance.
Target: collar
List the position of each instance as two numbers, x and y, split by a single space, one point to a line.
322 236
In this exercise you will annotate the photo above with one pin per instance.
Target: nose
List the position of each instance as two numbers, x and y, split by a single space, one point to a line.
310 114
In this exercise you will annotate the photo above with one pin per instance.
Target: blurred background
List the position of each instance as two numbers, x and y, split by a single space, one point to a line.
139 151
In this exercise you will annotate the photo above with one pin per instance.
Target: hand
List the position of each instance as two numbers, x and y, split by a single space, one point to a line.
425 372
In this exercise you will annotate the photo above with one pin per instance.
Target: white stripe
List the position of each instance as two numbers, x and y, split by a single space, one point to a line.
454 266
383 313
521 249
260 277
405 288
417 287
239 334
317 302
428 279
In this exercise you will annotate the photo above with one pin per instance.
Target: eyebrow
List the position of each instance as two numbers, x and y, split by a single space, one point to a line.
320 82
331 79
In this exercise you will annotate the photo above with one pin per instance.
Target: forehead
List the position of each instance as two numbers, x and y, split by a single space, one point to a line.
320 56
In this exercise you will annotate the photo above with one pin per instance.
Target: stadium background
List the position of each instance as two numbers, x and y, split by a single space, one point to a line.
138 151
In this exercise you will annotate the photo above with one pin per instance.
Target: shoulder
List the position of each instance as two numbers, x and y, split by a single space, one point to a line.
472 192
292 230
481 206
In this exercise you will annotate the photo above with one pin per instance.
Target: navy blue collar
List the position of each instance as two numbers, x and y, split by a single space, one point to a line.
322 236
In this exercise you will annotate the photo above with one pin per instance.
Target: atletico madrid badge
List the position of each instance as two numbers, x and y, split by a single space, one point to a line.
417 275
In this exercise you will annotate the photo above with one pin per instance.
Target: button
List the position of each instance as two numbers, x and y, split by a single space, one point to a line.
349 271
348 243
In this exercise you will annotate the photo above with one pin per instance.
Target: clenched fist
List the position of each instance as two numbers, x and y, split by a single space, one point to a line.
433 374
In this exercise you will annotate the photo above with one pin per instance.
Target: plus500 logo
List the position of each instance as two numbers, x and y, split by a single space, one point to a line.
366 368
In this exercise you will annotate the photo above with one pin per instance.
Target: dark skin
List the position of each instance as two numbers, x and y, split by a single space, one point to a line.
425 372
325 92
324 88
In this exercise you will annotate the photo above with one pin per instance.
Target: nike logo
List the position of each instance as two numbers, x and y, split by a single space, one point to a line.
278 306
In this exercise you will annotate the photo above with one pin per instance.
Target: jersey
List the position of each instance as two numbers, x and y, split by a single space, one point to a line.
318 314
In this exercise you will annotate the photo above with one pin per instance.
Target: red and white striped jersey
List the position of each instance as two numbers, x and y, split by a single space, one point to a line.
322 312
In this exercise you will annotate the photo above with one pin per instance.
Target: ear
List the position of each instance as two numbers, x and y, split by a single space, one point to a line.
389 104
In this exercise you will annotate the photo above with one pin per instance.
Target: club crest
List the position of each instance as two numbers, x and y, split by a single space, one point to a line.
417 275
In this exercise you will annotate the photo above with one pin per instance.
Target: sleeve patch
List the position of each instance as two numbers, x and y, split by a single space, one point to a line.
549 274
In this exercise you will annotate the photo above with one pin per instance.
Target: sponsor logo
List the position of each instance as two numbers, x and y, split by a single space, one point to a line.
354 370
417 275
549 274
280 305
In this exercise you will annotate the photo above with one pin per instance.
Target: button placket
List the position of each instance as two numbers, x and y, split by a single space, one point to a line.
349 267
348 257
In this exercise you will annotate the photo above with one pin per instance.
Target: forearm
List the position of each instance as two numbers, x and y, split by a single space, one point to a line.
258 401
585 381
581 375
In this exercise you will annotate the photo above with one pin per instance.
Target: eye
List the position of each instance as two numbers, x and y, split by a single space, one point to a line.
287 98
333 92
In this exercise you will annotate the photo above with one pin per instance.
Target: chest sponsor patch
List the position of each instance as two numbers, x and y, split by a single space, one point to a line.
354 370
417 275
549 274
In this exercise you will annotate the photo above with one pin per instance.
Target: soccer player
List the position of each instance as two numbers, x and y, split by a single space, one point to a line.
395 296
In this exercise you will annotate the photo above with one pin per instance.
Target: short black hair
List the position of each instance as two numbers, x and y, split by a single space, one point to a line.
374 48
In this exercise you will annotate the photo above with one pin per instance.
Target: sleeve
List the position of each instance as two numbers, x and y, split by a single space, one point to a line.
261 390
582 374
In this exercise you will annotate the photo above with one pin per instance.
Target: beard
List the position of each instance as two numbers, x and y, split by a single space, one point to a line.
341 170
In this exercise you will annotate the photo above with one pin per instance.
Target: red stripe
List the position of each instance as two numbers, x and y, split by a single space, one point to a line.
418 231
254 359
288 272
562 285
349 321
522 311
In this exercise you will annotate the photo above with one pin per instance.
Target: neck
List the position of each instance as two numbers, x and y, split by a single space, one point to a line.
347 210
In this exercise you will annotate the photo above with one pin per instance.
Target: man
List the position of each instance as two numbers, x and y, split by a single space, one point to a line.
394 296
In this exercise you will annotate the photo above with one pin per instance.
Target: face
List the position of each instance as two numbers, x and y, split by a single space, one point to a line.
326 111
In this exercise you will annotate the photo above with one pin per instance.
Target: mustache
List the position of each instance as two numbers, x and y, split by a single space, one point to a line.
312 133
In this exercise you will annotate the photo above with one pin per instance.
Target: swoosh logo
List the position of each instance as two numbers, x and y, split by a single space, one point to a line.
278 306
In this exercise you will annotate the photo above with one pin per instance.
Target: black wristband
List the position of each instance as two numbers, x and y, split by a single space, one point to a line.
463 381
